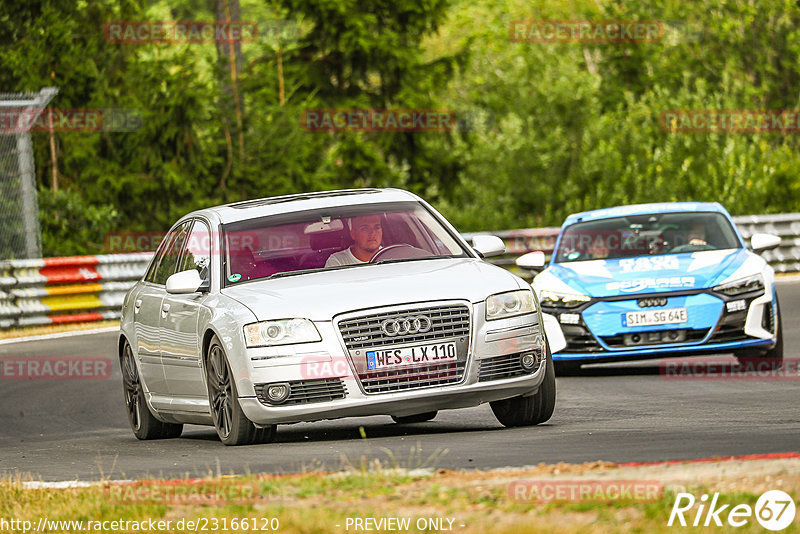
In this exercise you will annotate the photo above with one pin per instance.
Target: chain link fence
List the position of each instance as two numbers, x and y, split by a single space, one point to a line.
19 209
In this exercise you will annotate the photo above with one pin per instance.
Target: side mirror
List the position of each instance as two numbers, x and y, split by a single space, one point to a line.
184 282
761 242
532 261
488 245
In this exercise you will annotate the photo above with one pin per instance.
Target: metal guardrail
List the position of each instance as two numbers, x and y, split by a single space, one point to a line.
92 288
67 290
785 258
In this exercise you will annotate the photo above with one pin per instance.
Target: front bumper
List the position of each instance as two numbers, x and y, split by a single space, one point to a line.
330 381
397 404
713 327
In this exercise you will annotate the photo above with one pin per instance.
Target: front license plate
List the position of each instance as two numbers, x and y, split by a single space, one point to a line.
390 358
654 317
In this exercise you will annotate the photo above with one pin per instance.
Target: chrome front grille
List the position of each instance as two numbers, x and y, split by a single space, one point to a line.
388 380
446 322
307 391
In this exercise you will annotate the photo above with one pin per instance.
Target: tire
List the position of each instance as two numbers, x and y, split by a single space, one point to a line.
532 410
416 418
142 421
232 425
774 355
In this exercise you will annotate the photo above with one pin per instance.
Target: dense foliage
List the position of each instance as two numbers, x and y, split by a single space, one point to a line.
548 129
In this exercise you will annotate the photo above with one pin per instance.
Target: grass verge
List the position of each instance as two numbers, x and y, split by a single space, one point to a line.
432 500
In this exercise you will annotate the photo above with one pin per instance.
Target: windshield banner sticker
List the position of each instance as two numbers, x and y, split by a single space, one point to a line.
640 284
645 264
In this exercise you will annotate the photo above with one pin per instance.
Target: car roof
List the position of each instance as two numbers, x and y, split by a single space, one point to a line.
643 209
261 207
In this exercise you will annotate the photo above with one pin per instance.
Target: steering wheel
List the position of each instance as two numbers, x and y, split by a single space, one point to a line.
691 248
657 246
401 251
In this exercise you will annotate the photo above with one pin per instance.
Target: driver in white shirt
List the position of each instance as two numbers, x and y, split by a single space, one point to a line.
367 234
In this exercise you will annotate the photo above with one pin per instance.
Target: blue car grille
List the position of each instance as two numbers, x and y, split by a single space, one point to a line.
655 337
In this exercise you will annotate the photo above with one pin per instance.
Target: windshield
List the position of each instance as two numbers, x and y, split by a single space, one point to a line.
649 234
334 238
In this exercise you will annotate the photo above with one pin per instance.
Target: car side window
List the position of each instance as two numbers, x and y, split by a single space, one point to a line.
170 254
197 254
151 270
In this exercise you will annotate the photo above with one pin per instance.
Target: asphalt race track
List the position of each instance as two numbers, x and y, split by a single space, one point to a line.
63 430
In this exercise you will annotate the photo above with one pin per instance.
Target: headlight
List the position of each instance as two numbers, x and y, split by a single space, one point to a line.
739 287
552 299
509 304
282 332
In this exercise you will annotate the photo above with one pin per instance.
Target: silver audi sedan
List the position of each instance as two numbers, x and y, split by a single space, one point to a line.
326 305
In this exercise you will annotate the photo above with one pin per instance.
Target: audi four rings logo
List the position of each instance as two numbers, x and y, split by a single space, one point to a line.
417 324
652 302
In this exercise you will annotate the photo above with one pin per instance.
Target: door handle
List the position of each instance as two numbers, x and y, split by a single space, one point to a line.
164 309
137 304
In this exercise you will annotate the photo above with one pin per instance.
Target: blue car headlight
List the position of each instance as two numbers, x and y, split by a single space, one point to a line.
740 287
281 332
553 299
510 304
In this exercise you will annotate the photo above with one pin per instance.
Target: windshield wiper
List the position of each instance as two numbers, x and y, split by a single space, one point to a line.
303 271
400 260
338 267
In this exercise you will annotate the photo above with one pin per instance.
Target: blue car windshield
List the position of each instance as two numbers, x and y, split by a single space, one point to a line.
646 234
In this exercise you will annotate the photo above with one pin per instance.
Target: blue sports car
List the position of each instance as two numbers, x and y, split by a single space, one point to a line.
651 280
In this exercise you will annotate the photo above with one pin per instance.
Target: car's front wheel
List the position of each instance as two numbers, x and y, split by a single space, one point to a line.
233 426
142 421
531 410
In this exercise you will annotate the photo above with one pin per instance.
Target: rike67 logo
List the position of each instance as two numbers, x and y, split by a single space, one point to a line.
774 510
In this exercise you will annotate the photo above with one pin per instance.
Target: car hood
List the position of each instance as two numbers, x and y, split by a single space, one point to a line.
649 274
322 295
